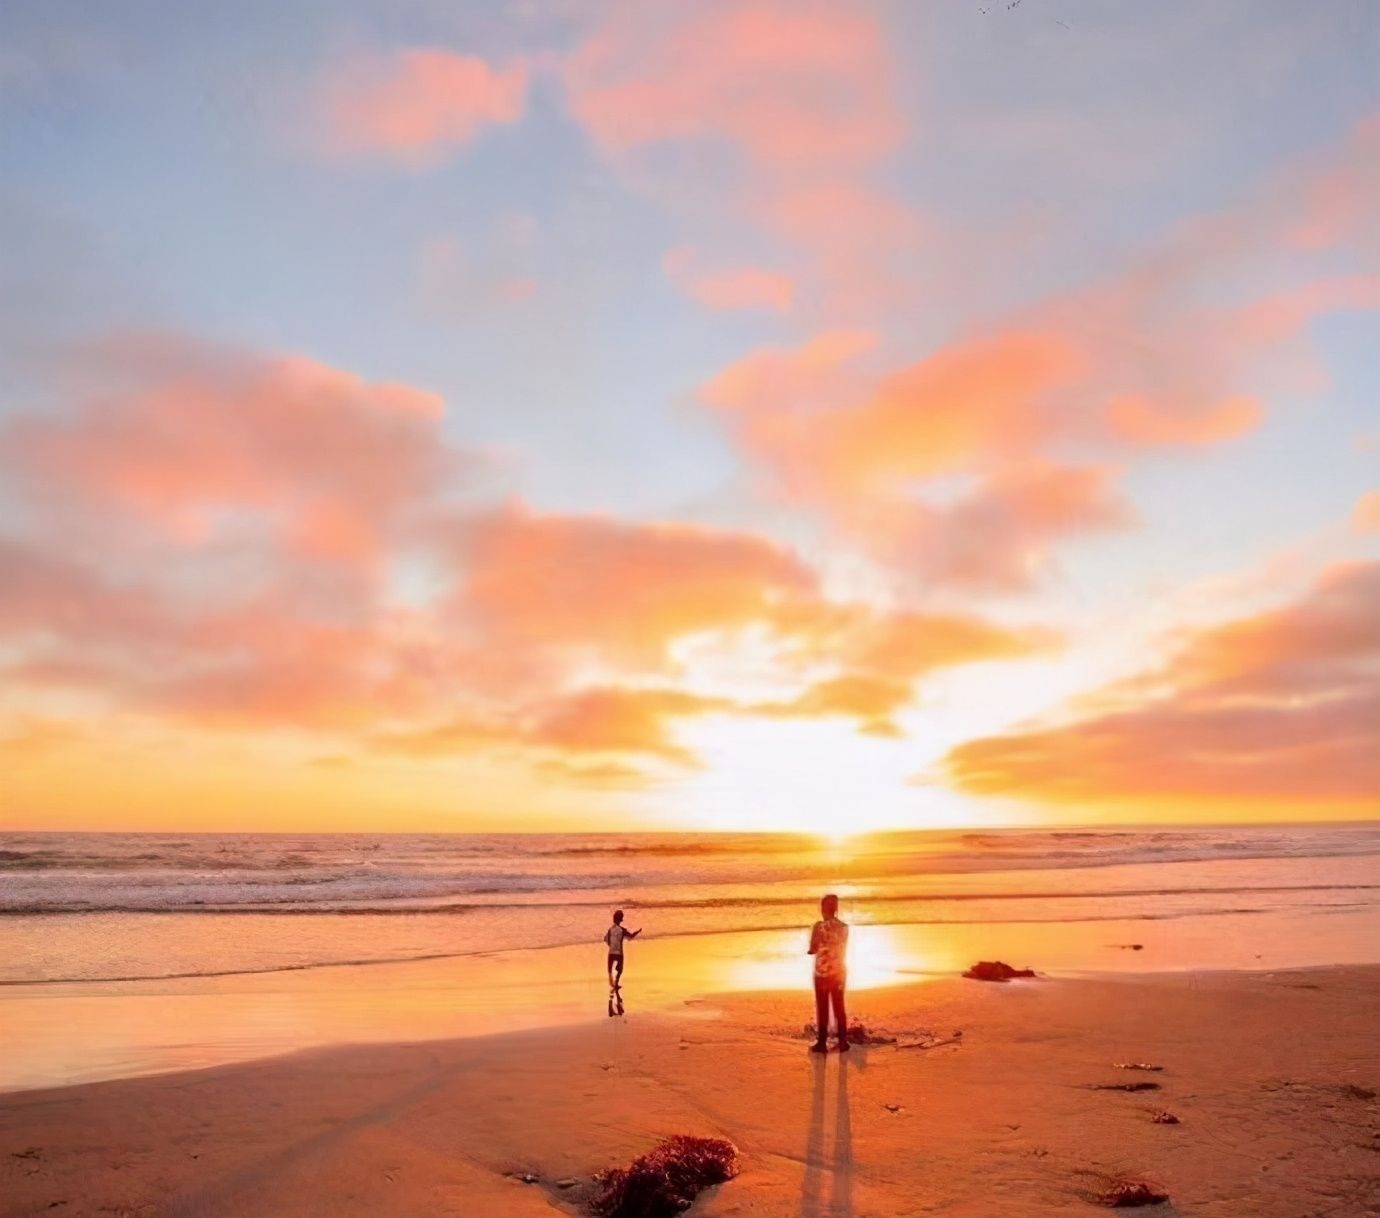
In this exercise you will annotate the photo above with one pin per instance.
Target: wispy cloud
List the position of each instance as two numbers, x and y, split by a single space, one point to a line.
417 105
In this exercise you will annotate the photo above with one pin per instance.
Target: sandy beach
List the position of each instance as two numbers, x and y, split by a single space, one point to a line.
1272 1076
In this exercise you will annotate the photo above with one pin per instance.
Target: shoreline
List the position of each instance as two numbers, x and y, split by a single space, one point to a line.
1272 1075
78 1031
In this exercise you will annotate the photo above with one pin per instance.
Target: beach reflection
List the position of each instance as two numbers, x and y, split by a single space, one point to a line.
877 956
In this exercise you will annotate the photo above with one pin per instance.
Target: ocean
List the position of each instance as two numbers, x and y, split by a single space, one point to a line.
130 906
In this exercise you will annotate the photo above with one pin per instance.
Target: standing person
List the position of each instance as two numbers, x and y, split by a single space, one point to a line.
614 937
829 947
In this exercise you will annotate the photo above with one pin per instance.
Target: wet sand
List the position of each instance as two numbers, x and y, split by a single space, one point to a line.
1271 1074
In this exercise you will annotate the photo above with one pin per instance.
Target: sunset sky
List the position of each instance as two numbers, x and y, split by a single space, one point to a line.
532 414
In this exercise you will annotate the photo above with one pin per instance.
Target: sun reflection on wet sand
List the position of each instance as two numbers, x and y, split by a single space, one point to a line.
876 957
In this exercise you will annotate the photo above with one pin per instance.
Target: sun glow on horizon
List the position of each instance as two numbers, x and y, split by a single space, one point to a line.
824 779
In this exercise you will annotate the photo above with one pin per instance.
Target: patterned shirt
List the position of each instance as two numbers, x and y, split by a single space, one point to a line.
614 937
829 946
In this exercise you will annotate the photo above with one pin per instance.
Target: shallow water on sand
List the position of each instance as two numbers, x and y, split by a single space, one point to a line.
144 986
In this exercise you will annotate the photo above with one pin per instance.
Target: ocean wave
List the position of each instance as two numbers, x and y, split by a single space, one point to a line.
289 905
181 873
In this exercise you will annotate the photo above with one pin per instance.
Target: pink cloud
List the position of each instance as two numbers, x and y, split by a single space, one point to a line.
793 103
1342 199
417 104
728 288
789 85
205 443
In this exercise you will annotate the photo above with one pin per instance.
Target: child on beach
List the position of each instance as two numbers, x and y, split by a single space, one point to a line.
614 937
829 947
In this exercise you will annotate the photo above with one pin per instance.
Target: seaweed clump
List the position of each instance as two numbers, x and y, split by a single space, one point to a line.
996 970
666 1180
858 1034
1125 1194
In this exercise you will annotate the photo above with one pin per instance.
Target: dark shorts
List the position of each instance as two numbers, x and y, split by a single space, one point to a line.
616 958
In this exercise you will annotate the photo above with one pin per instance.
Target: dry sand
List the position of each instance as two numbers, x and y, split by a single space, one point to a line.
1272 1076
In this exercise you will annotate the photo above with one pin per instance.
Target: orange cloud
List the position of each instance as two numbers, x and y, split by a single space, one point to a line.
217 538
1365 517
741 287
419 103
971 464
870 699
935 467
625 720
879 656
616 590
900 644
609 719
1279 707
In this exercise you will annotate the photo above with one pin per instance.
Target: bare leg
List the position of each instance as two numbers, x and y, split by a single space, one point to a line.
840 1016
821 1013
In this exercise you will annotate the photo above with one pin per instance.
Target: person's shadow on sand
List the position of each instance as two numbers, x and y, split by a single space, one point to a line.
838 1162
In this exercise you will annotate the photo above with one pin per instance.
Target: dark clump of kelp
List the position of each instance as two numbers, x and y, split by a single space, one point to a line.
1129 1194
666 1180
